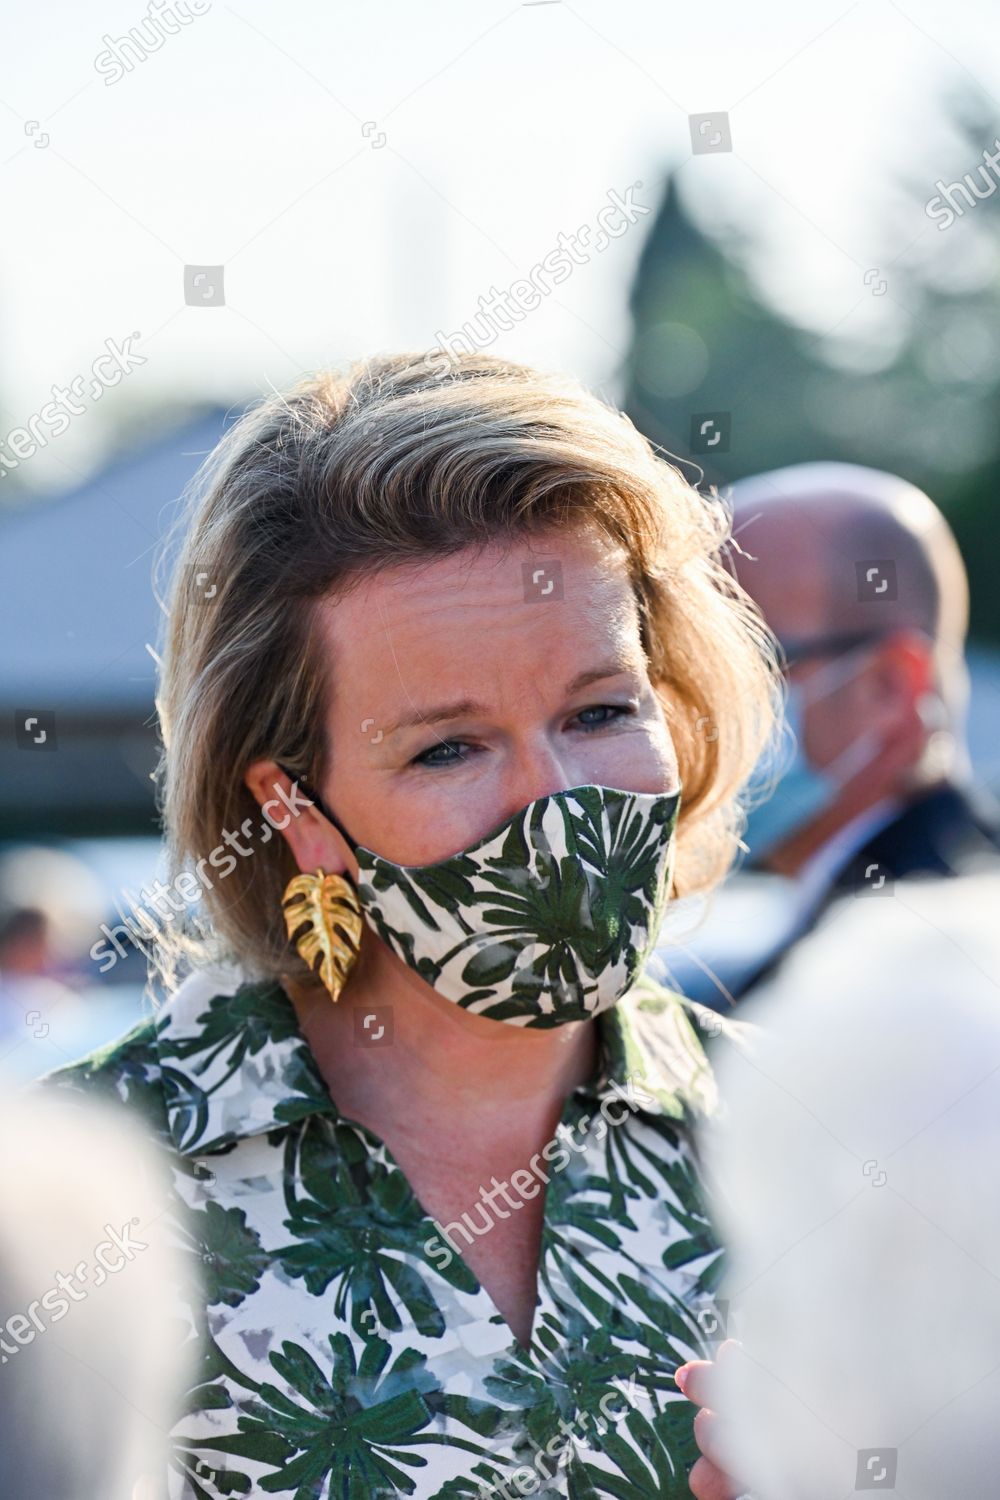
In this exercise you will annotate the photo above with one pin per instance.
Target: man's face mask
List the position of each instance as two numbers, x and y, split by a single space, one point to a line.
548 918
804 791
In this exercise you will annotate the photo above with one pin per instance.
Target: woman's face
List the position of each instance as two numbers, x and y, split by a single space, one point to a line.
467 687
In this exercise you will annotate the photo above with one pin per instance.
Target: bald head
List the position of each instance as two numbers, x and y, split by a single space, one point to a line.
859 576
837 549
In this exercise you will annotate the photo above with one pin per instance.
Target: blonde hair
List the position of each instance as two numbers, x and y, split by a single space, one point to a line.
409 457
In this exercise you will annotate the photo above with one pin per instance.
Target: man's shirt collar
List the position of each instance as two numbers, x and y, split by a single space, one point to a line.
235 1063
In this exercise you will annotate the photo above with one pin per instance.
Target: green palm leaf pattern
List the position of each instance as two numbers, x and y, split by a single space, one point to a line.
356 1223
338 1357
574 886
231 1255
351 1426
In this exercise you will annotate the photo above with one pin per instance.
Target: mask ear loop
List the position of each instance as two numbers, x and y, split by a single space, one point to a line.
862 751
314 796
839 669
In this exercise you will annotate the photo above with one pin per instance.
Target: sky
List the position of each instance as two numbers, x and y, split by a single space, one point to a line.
366 172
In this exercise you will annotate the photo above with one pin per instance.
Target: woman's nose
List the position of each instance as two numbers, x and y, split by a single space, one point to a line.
537 771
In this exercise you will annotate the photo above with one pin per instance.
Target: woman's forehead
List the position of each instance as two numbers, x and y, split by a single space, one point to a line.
531 583
549 609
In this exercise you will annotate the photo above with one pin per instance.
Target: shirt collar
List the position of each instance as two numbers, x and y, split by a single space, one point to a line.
235 1064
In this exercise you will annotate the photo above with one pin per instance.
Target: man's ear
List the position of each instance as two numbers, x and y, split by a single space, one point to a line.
907 658
314 843
904 682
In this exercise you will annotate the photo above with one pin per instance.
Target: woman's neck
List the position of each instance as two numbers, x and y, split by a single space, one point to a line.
398 1056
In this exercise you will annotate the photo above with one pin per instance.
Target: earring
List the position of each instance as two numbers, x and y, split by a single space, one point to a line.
323 920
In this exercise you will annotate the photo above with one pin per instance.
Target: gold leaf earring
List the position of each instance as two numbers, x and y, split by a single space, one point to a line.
323 919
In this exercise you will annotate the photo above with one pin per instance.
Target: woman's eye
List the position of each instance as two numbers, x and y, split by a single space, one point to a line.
454 752
425 757
615 710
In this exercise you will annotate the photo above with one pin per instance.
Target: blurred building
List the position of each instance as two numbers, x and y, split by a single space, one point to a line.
77 606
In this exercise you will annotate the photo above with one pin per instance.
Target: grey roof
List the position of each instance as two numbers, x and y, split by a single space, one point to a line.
77 610
76 591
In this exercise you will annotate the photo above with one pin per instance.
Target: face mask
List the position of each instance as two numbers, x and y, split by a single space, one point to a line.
548 918
803 791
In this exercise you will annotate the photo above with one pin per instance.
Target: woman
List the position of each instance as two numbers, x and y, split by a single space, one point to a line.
455 692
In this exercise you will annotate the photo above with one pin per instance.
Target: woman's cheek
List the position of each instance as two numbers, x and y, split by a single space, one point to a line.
429 824
643 758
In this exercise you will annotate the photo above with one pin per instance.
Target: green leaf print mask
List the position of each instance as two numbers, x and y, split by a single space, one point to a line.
548 918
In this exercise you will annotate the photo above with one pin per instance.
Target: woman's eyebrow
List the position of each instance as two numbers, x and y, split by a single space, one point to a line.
470 707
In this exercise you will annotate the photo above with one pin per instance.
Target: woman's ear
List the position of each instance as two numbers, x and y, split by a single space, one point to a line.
314 843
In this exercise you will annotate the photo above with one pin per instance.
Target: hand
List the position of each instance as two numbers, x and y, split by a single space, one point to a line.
708 1479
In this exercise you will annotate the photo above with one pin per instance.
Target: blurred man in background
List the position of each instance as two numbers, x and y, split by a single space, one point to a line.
847 1165
55 1004
858 574
30 989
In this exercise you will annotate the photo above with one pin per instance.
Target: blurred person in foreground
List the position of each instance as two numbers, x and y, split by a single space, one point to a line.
859 576
851 1169
94 1350
438 642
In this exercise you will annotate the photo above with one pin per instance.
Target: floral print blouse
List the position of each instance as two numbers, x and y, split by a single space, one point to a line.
346 1348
